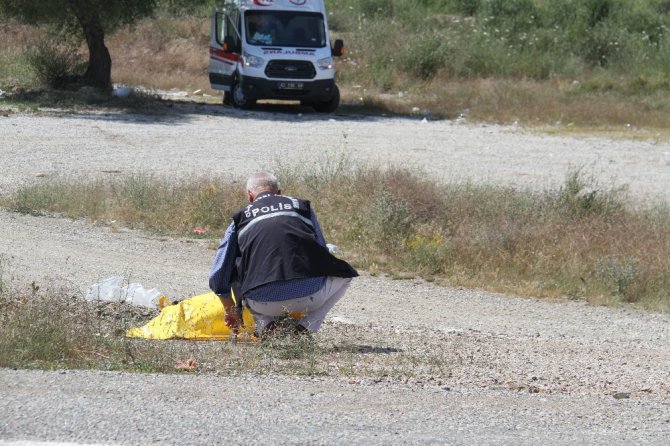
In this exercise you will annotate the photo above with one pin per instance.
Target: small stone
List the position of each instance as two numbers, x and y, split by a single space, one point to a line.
621 395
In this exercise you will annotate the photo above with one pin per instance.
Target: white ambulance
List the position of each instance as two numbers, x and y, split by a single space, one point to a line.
274 49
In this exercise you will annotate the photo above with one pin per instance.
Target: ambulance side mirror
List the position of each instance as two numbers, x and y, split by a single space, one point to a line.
228 44
338 48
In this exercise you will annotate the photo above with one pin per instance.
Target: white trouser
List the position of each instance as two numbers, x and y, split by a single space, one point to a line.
314 307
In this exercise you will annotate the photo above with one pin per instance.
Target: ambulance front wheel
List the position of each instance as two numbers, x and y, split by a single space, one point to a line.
328 106
227 98
239 99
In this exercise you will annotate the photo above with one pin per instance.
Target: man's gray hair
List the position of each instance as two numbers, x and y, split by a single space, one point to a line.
263 182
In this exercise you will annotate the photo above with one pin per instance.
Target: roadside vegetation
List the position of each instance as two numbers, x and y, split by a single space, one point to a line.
583 241
54 328
55 331
574 64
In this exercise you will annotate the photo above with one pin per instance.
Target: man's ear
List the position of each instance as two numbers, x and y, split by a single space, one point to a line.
250 196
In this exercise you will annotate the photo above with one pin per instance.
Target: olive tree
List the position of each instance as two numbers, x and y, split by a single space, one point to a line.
93 17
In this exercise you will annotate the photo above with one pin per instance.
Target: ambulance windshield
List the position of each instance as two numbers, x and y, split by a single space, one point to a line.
285 28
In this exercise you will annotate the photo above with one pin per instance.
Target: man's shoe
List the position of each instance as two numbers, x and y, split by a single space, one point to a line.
299 330
267 332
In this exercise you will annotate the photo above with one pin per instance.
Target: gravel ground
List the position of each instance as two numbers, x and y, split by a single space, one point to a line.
208 140
511 370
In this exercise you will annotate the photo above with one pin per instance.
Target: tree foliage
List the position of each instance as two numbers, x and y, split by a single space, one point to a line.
94 18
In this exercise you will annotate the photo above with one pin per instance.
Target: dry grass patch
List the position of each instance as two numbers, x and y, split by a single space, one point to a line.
584 241
564 105
139 201
58 329
163 52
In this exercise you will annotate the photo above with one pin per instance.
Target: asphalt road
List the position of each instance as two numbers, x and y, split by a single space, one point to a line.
117 408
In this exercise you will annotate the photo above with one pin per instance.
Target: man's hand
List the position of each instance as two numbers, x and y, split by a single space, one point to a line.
231 318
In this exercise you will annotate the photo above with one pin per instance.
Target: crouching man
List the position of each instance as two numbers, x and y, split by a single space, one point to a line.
274 257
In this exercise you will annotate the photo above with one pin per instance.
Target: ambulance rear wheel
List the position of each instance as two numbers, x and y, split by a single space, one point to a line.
328 106
239 99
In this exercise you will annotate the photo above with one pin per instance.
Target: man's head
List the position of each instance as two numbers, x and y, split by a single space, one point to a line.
261 22
262 182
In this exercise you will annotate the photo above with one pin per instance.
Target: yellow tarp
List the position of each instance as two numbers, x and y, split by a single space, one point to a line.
197 318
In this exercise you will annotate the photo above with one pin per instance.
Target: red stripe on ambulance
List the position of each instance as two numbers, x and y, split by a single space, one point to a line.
220 54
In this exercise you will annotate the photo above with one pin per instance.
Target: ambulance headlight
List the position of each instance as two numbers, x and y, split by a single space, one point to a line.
252 61
325 64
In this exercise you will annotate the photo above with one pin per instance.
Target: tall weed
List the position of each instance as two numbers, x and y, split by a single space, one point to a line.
581 196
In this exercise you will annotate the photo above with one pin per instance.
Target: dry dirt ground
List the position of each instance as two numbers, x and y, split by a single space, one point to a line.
485 368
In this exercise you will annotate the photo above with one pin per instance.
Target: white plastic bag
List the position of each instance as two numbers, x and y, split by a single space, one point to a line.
109 290
137 295
113 290
121 91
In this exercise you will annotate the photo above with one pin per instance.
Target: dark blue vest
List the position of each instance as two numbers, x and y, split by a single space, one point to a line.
277 242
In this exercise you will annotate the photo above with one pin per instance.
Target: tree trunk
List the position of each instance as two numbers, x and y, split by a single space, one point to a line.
99 71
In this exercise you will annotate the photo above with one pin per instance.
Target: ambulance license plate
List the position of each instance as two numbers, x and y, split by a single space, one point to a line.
290 85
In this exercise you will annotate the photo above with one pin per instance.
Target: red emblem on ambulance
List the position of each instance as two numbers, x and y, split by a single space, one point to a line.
264 2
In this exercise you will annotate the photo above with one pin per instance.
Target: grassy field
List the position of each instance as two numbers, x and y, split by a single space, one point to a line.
571 64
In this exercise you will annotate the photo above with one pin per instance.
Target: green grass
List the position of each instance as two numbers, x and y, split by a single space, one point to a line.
575 64
581 64
583 241
503 38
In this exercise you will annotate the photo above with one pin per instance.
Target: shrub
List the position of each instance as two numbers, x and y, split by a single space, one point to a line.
580 196
423 56
619 274
598 11
390 220
55 65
